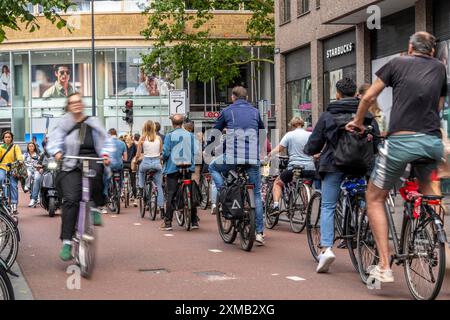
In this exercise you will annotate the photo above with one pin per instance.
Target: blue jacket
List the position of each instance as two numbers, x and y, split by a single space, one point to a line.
243 122
179 147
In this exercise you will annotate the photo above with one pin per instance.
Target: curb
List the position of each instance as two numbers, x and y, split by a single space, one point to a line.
21 289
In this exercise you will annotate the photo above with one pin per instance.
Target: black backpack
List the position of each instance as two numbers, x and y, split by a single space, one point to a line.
232 199
353 153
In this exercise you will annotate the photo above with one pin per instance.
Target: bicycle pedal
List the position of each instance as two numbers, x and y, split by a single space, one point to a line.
87 237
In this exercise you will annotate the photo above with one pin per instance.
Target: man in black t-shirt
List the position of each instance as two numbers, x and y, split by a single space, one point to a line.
419 83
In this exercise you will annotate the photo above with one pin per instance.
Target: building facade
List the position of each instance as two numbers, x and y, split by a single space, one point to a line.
320 42
40 69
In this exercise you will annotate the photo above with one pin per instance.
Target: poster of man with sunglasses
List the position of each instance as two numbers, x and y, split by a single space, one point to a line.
62 87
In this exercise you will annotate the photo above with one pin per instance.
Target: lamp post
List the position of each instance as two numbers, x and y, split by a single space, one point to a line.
93 59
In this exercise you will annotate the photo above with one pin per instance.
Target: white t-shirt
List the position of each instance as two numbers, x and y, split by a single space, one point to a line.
295 142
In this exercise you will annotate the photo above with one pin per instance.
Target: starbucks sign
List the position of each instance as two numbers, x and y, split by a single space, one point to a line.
341 50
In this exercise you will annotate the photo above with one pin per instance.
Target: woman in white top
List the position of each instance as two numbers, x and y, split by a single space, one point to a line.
151 145
4 86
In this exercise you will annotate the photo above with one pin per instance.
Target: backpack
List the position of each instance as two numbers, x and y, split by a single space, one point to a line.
353 153
231 198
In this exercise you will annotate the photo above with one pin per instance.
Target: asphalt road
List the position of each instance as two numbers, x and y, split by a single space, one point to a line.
192 265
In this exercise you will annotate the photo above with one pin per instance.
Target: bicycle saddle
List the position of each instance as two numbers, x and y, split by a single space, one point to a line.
184 165
150 171
422 162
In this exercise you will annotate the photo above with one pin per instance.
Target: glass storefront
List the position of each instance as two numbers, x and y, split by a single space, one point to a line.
299 100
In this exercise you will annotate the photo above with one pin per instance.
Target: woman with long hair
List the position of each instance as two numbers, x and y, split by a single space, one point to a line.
374 109
10 153
131 154
31 162
151 145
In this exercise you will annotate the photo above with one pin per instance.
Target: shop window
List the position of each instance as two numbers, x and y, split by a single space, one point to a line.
332 77
298 100
302 7
5 80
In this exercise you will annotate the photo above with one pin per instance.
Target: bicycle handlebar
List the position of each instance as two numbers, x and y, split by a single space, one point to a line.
83 158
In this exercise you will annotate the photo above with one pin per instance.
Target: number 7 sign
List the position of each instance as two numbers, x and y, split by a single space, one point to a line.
178 103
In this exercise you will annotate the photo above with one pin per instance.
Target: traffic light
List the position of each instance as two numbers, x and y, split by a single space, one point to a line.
128 112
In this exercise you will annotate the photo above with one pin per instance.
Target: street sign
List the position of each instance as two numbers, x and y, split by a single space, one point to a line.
178 103
46 115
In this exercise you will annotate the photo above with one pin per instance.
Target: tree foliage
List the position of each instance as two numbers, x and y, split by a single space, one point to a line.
184 41
13 13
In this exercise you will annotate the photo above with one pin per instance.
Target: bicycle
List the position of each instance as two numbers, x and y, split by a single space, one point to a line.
114 192
9 237
126 187
421 245
246 225
85 235
6 289
205 187
148 201
183 212
351 201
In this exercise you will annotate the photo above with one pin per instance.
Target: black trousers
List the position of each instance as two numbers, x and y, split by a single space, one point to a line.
69 187
171 186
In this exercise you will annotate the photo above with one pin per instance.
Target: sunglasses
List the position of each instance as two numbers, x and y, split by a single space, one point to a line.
64 72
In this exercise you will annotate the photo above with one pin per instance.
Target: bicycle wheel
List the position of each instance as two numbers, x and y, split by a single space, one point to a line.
117 197
6 289
425 266
51 207
187 208
366 249
87 246
271 218
227 231
350 230
205 185
298 207
152 202
247 228
126 194
313 225
112 204
9 241
143 202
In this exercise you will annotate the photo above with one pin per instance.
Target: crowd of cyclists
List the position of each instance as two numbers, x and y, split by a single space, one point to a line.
419 88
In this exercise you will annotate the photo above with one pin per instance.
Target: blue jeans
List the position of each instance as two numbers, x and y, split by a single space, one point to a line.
330 195
155 164
36 185
13 186
213 193
253 172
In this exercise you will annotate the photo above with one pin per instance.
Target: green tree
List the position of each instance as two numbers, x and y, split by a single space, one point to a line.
184 41
13 13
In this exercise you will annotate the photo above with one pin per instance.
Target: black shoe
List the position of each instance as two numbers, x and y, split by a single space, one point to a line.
166 226
194 225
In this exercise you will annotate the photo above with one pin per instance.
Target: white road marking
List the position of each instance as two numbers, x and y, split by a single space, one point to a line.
295 278
275 274
215 250
168 235
113 216
137 224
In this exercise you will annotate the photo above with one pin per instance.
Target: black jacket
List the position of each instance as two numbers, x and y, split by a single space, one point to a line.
326 133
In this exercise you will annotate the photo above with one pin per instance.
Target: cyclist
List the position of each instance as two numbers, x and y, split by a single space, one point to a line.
294 142
117 158
158 129
419 83
131 154
78 135
242 122
150 146
31 158
179 148
322 140
10 152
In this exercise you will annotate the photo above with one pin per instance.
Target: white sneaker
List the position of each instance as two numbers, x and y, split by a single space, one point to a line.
103 210
135 204
384 276
213 209
259 239
325 260
32 203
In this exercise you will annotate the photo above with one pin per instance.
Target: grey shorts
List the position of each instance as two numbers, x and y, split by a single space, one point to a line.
398 151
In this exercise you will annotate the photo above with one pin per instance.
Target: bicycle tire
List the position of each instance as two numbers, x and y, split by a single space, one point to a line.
142 205
313 225
86 249
117 197
271 220
187 208
304 195
247 230
350 231
205 185
415 229
152 207
366 248
9 246
227 230
6 289
126 195
112 205
51 207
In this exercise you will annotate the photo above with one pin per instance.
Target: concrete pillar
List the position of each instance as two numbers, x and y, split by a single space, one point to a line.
280 92
317 79
363 55
424 15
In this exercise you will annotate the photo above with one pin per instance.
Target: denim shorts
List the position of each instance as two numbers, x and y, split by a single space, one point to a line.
398 151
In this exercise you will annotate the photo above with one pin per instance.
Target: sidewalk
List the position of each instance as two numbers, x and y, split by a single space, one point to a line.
21 289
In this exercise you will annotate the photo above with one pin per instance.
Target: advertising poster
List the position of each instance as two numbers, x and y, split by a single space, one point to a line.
5 85
335 76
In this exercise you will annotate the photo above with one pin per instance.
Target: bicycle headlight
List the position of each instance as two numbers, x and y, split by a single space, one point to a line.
52 165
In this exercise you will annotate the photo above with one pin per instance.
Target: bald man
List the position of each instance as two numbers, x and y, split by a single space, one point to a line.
179 148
